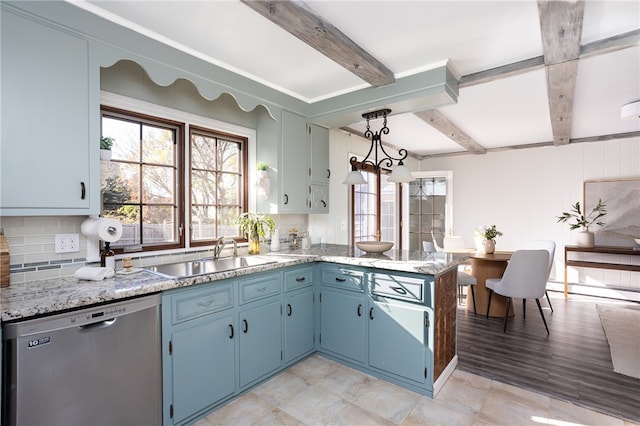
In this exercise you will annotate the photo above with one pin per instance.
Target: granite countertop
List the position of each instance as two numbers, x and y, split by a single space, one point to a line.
34 298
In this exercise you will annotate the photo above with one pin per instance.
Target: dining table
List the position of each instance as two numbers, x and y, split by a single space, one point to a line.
483 267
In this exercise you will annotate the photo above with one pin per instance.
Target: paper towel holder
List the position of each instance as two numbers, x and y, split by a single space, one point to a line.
93 242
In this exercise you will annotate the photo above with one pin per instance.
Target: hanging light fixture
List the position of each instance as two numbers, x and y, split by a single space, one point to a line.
400 173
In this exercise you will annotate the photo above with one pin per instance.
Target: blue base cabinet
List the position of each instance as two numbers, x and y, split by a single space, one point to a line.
399 340
299 313
383 323
223 337
203 362
260 336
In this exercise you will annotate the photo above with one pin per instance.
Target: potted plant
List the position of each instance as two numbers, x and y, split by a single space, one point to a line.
253 226
585 237
488 234
105 148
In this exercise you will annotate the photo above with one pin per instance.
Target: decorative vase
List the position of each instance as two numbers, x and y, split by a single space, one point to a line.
585 238
105 154
489 246
254 243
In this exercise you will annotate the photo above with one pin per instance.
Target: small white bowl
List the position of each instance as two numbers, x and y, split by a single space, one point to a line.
637 240
374 246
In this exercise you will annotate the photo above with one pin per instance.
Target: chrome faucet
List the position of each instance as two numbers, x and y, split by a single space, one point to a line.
220 244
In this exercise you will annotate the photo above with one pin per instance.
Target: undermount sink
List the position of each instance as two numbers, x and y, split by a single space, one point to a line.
206 266
374 246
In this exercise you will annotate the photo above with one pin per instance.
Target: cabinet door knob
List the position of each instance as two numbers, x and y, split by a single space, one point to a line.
83 191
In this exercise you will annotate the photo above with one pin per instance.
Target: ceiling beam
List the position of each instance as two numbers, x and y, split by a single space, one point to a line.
441 123
298 19
599 47
561 28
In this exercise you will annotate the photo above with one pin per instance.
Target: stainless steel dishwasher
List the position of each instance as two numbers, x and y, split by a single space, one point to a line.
95 366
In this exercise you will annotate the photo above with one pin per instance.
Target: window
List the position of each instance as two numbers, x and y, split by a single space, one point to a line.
144 184
217 163
375 207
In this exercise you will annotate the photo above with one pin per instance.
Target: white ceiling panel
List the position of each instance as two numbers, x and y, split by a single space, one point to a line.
409 37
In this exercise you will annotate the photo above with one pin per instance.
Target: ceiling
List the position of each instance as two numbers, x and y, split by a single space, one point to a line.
587 63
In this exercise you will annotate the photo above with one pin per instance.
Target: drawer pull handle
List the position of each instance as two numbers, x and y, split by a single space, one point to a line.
359 311
371 313
300 279
231 329
246 326
340 280
261 289
205 304
289 310
398 290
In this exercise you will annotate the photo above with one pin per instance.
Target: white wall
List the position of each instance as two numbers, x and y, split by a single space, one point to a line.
523 192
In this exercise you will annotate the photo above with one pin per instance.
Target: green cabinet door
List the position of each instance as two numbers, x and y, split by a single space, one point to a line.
342 324
260 335
203 362
398 339
298 325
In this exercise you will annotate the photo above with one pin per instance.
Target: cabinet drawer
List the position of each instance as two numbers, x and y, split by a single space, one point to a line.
398 286
346 279
259 287
298 278
194 303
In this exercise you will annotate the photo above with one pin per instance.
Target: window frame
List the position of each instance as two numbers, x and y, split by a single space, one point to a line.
124 103
244 181
367 168
142 118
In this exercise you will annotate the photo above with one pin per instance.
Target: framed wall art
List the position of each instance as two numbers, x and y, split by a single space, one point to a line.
622 198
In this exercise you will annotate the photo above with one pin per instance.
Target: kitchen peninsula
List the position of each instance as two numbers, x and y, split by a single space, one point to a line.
391 315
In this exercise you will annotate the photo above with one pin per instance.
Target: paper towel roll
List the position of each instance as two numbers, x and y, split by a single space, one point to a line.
102 228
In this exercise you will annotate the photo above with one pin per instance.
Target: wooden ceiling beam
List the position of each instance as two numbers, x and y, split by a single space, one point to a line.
298 19
441 123
561 28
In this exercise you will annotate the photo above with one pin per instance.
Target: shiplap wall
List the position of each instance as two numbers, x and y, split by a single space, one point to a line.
523 192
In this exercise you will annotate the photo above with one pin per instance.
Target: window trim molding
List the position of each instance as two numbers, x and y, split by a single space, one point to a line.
114 100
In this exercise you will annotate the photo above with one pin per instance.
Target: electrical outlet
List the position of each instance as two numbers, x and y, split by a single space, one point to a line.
67 243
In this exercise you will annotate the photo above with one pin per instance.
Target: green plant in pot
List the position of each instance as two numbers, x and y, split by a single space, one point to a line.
254 227
585 237
105 147
488 234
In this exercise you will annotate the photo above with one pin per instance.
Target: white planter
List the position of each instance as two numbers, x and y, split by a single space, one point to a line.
105 155
585 239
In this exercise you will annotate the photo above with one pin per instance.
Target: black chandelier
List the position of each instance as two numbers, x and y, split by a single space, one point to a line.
399 174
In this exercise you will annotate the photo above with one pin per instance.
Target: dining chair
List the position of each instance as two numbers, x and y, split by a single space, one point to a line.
435 243
428 247
525 277
549 246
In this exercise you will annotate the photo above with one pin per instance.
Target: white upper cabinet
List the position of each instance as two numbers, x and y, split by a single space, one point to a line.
319 140
294 168
46 156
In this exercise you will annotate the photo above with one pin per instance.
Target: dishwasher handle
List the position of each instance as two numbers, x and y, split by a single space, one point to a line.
96 325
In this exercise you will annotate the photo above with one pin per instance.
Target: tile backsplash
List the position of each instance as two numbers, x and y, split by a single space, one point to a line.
32 255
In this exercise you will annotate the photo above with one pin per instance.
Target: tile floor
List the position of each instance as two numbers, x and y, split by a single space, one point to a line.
318 391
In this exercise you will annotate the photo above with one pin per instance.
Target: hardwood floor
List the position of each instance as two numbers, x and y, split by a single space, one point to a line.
573 363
